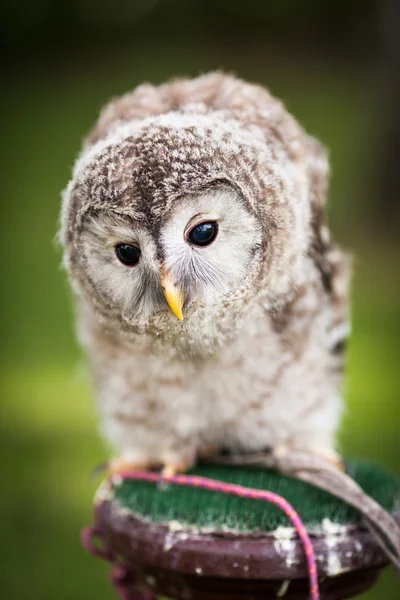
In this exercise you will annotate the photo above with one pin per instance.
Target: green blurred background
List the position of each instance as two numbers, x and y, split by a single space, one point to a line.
336 65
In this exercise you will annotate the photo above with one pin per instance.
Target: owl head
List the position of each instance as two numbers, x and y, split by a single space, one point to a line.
191 201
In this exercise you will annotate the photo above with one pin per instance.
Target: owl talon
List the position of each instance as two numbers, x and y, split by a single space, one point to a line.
336 460
118 466
171 468
331 457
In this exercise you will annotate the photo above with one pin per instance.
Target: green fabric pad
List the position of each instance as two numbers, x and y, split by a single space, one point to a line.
208 509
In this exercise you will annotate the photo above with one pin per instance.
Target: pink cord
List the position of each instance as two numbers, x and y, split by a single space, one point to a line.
120 577
244 492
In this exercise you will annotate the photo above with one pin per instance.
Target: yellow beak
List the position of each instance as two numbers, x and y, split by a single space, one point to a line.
173 294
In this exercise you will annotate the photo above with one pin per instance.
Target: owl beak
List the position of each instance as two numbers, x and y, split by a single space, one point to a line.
173 294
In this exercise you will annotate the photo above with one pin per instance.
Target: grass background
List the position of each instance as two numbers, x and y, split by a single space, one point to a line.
48 430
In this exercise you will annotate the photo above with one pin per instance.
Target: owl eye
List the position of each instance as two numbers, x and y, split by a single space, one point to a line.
128 255
203 234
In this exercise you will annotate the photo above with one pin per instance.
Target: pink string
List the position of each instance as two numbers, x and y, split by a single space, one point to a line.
122 578
244 492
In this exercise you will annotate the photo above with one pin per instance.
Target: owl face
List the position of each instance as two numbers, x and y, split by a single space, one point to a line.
199 255
174 224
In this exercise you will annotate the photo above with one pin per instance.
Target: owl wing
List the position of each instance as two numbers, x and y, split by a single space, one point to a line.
332 264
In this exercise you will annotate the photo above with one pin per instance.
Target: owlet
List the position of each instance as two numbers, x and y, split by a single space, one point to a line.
211 301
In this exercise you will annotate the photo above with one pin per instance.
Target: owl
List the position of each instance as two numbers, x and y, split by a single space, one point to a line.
210 299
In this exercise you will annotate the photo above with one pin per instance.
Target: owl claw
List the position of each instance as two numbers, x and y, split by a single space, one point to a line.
331 456
118 466
171 469
336 460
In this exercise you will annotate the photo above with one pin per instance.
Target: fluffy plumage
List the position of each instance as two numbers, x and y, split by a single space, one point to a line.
256 361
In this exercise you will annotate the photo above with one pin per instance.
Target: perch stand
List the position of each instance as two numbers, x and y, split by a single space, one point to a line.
195 544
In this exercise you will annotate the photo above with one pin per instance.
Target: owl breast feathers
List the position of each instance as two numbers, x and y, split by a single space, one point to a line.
211 301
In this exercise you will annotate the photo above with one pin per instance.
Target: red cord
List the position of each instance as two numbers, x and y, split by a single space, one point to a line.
234 490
